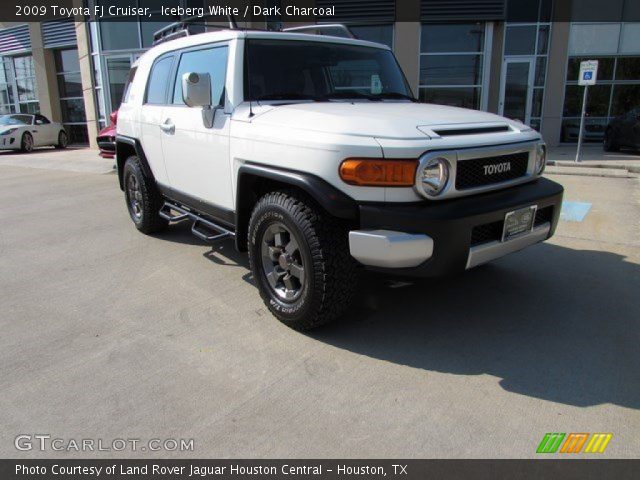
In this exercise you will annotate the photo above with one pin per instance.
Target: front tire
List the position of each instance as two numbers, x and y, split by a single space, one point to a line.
26 143
143 198
63 140
300 261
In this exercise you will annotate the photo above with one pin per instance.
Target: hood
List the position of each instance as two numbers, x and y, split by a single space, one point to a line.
375 119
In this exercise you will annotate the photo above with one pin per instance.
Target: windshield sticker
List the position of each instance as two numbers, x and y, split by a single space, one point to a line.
376 85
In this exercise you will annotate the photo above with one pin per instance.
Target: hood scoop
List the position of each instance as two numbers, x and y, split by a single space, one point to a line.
443 131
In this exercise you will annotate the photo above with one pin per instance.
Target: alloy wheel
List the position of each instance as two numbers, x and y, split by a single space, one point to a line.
282 262
135 196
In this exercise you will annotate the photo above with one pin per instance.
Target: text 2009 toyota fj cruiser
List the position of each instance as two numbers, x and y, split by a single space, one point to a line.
312 152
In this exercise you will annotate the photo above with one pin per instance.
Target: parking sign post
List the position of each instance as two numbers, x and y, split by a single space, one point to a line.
588 74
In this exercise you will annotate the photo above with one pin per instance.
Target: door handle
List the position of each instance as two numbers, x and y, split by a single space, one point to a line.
168 127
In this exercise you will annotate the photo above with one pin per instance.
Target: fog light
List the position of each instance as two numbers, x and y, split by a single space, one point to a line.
433 176
541 158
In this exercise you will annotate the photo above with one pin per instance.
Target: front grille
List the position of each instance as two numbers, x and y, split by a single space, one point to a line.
543 215
486 233
472 173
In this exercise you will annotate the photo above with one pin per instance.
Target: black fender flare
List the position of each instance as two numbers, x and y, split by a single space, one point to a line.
123 153
335 202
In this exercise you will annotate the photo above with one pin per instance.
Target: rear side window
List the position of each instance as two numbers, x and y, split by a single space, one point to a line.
212 61
127 85
158 81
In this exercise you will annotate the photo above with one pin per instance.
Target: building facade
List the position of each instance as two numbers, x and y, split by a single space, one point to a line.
512 57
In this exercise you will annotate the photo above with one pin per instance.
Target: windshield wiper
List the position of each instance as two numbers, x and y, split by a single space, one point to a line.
286 96
396 95
347 96
376 97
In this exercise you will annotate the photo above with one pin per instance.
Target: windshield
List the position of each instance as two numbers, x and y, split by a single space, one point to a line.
15 120
298 70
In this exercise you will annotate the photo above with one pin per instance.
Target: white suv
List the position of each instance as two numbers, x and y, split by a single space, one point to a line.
311 151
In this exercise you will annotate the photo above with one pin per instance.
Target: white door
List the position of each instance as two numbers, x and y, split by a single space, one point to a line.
152 114
197 157
517 89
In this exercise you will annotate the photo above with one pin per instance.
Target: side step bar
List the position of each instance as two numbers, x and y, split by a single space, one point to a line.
202 228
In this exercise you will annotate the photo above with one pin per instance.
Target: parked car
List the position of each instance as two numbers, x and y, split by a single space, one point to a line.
23 131
107 138
312 153
623 131
593 130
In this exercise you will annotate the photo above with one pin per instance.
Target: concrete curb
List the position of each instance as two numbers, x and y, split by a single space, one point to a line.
589 172
632 168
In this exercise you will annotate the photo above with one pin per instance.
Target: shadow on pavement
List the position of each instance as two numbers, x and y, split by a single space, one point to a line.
551 322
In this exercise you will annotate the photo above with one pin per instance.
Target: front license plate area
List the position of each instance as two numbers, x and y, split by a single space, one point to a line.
518 222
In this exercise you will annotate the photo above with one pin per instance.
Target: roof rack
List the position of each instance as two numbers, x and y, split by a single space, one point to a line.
319 28
189 26
197 24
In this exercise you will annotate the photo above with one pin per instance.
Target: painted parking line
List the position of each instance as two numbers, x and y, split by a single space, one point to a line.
574 211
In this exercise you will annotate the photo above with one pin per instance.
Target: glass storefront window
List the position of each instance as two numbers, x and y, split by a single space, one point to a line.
451 64
625 98
451 70
456 97
119 35
628 68
617 92
444 38
605 68
117 71
520 40
18 91
71 96
374 33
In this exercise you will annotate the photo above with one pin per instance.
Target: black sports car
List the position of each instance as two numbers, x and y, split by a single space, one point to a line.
623 131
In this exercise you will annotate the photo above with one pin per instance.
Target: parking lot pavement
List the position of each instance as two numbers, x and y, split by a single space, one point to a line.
107 333
71 159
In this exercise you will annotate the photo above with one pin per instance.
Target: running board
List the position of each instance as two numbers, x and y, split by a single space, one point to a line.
202 228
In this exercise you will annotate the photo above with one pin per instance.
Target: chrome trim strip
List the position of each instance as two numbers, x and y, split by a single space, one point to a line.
389 249
490 251
454 156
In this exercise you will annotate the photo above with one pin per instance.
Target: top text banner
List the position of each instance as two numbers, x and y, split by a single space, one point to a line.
312 11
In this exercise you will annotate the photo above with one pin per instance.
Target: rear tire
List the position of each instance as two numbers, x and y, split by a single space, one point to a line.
63 140
143 198
26 143
300 261
608 143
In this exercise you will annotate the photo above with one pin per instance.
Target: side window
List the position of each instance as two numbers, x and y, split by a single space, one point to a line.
158 81
212 61
41 120
127 86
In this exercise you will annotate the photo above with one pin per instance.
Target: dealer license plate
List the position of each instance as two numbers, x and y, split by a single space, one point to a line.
518 222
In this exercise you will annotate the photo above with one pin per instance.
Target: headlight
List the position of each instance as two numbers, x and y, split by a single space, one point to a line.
433 176
9 132
541 158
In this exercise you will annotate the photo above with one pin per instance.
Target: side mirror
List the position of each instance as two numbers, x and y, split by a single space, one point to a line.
196 92
196 89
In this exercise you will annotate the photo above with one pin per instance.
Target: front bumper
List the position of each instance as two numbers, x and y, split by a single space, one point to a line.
9 142
462 233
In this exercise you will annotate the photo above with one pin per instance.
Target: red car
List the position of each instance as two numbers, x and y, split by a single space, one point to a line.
107 138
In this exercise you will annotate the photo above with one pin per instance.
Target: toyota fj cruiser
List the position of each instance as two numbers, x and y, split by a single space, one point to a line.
311 151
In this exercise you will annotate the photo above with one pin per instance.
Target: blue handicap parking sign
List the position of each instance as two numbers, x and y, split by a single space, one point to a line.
587 75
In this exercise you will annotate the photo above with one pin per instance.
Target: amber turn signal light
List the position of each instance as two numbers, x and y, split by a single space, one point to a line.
377 172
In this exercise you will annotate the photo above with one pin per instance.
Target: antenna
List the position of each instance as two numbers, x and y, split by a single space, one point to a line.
233 25
248 63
